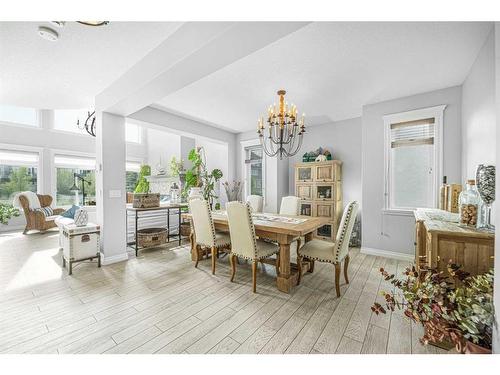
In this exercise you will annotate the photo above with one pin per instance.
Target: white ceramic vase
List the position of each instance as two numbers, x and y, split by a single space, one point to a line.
81 217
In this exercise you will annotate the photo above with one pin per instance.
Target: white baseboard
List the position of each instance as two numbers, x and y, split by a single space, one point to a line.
113 259
387 254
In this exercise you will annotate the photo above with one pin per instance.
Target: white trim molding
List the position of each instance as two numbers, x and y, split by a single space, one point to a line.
387 254
113 259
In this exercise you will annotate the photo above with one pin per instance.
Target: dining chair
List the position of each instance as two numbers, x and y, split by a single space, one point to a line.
332 252
290 206
204 231
256 202
244 243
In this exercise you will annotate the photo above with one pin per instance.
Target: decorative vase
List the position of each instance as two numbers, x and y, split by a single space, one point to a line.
81 217
485 178
471 348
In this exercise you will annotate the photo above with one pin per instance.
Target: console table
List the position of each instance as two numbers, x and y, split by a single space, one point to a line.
439 238
176 207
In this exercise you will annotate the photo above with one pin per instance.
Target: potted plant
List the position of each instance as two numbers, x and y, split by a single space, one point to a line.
7 212
457 311
193 179
143 184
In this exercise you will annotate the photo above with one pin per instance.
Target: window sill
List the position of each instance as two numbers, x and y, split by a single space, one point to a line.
398 212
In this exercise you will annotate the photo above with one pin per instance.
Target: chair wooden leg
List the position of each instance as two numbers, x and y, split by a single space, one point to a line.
311 266
214 258
346 264
299 266
254 276
337 279
232 260
197 255
299 242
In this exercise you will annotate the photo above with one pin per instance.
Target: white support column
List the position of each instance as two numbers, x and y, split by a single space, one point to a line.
111 197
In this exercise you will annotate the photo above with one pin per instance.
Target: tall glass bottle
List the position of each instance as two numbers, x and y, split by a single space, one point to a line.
469 204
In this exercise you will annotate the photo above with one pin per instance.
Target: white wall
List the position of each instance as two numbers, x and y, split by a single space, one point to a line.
496 298
343 140
390 232
479 112
162 144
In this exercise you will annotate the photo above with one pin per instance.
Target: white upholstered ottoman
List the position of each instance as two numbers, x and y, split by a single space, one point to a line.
80 243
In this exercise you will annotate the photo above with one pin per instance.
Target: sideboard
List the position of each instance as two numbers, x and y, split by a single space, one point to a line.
439 239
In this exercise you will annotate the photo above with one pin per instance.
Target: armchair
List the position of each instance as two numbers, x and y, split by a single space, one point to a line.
36 220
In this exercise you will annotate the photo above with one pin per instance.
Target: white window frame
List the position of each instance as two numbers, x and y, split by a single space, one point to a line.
54 167
246 189
141 131
436 112
36 150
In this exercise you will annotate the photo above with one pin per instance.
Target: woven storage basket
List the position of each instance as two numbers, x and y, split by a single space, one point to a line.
152 237
146 200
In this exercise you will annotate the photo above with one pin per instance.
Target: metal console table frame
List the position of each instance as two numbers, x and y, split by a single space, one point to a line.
165 207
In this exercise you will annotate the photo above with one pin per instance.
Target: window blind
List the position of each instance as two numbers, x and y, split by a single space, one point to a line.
21 158
412 133
70 161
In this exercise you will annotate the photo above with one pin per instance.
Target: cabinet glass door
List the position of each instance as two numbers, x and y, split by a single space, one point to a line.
306 208
304 174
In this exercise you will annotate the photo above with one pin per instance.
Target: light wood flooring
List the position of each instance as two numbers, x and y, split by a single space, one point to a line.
160 303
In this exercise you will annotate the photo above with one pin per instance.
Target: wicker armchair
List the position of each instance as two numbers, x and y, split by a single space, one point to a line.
36 220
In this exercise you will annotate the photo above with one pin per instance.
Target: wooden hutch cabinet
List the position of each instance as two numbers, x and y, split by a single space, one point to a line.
319 186
439 239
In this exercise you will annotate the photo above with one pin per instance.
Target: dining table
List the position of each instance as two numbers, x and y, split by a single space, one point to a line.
282 229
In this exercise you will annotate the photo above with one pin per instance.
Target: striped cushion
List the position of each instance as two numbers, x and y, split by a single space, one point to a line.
46 211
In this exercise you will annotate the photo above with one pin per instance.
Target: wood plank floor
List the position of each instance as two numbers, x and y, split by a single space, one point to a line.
160 303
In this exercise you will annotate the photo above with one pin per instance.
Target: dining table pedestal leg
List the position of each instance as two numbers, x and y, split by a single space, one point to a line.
286 279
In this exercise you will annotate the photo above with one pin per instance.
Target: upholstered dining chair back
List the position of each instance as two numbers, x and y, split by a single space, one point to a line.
290 206
241 230
341 248
256 202
204 229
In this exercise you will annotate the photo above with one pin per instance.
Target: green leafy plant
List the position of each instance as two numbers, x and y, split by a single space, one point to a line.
143 184
209 179
193 174
449 313
176 166
7 211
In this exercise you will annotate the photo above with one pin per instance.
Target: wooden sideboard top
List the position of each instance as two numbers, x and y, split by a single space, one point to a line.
444 222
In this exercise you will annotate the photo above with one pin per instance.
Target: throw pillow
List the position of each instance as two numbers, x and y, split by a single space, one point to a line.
46 211
70 213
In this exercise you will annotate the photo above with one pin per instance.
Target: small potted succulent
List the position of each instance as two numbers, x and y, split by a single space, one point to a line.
454 311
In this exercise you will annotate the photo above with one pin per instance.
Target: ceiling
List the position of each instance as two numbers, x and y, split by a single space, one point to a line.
330 70
69 73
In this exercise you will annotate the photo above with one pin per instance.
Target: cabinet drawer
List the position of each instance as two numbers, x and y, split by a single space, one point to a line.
307 208
304 174
324 209
326 232
304 191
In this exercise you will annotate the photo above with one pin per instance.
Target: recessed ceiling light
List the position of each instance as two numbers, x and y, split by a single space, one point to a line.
58 23
47 33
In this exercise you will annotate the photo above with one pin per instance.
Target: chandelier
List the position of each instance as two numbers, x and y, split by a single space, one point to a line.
284 132
88 125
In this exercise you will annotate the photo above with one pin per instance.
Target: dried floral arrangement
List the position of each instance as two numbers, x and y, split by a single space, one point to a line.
456 309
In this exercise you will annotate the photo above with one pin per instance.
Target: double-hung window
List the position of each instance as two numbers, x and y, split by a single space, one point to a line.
132 169
75 180
413 159
18 172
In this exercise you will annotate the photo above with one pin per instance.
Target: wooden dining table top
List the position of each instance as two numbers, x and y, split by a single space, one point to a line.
267 222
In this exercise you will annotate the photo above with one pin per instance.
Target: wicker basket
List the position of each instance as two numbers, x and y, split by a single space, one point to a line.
146 200
185 229
152 237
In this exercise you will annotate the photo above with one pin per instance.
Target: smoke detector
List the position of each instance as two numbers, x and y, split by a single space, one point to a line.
48 34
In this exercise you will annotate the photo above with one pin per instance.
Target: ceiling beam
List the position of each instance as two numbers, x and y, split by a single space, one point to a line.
194 51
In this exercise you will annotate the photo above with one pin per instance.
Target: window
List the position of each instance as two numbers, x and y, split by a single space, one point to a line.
132 175
71 172
413 159
18 172
254 170
132 133
19 115
66 120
